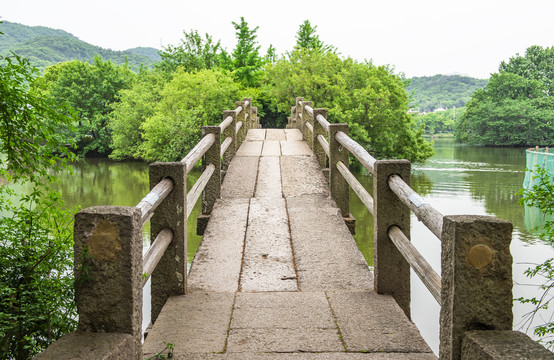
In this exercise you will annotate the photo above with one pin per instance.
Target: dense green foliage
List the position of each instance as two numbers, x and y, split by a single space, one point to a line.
541 195
36 284
516 107
91 90
44 47
442 91
246 60
306 38
440 121
371 99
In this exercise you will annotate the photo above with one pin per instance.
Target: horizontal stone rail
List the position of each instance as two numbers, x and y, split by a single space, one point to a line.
110 269
475 290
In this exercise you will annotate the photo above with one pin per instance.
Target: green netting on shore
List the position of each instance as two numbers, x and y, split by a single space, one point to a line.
540 158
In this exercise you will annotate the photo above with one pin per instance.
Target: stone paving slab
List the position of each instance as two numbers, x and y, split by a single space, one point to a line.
307 356
301 175
194 323
326 254
271 148
275 134
250 148
293 134
268 264
295 148
269 184
217 262
240 180
255 135
375 323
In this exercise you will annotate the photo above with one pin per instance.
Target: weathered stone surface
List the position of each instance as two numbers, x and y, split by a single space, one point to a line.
295 148
325 262
255 135
308 356
374 323
268 264
111 301
250 148
275 135
271 148
269 180
217 263
502 345
474 297
293 134
100 346
301 175
240 179
194 323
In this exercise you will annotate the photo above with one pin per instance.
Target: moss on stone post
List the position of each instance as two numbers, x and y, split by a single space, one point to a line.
108 270
319 130
340 190
212 191
230 131
299 120
391 270
476 271
170 276
241 117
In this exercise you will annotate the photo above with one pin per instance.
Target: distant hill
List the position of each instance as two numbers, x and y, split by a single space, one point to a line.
44 47
442 91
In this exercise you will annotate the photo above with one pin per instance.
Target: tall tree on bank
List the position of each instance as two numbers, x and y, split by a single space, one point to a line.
306 38
193 53
516 107
246 60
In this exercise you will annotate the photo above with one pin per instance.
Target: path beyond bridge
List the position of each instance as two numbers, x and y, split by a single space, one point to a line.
278 274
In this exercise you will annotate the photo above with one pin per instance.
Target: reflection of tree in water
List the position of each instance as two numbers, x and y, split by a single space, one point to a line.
421 183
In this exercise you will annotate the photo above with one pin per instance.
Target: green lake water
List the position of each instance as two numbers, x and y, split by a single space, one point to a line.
457 180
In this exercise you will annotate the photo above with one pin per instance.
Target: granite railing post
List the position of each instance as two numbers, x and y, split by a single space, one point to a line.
391 270
307 118
249 118
340 189
241 135
292 119
319 130
230 131
255 116
108 244
170 276
212 191
476 291
299 120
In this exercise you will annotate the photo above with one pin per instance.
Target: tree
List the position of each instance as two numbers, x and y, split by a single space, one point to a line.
541 195
371 99
516 107
246 60
187 102
194 53
36 283
271 55
306 38
92 90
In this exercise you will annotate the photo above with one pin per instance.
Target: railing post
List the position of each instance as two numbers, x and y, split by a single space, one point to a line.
476 271
292 119
230 132
248 114
299 120
319 130
255 116
212 191
391 270
170 276
241 118
108 244
339 187
306 119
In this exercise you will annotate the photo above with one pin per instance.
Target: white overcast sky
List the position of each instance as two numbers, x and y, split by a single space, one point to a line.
417 37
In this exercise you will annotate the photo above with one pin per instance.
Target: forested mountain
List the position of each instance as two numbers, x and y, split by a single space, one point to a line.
442 91
44 47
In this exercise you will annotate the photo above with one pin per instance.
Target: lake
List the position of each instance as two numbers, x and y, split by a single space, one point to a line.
458 179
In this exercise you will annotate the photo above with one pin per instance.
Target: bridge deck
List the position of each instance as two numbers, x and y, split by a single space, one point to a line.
278 274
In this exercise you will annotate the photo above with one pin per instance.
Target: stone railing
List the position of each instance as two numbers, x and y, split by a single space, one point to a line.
110 269
475 290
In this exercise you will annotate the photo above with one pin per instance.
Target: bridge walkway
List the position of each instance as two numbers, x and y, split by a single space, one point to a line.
278 275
